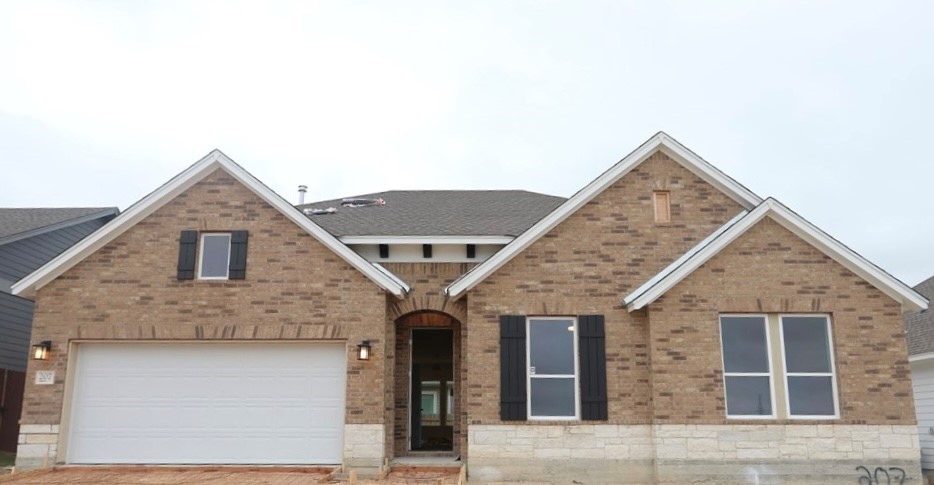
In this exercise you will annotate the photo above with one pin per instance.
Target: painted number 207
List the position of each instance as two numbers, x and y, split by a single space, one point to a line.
896 478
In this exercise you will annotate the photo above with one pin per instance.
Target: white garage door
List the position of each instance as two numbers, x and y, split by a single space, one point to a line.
247 403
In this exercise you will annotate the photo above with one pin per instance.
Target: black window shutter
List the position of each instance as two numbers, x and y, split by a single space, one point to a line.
512 377
591 339
237 270
187 252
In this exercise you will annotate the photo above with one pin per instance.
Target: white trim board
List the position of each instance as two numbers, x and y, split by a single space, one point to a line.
921 357
28 286
660 142
707 249
425 239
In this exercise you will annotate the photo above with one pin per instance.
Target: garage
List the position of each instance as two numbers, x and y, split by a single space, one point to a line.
207 403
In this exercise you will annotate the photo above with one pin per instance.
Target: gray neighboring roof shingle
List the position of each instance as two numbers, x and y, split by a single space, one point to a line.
919 327
21 220
438 213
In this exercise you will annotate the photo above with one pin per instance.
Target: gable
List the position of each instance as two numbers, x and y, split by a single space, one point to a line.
804 230
661 142
177 186
613 243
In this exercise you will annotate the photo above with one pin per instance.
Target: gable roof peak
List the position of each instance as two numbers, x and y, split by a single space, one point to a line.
661 141
681 268
178 184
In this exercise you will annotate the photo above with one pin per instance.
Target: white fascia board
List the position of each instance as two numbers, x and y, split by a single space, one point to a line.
426 239
28 286
661 141
671 276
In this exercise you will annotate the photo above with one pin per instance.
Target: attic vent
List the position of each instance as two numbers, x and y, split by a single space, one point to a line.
358 202
662 202
319 212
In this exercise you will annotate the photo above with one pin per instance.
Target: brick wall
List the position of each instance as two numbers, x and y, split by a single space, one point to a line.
770 270
295 288
586 265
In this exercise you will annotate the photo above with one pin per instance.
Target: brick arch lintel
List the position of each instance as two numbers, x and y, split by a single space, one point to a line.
456 309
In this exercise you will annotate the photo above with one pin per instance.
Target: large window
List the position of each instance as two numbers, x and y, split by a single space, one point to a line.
215 256
552 368
798 373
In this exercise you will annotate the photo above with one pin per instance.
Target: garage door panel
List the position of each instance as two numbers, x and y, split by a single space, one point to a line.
208 403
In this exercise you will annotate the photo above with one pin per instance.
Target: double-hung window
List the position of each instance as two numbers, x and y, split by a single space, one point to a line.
747 366
778 366
552 368
808 362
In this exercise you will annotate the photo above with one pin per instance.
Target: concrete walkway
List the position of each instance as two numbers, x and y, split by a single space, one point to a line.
207 476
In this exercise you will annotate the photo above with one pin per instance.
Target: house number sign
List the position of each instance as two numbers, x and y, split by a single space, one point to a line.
45 377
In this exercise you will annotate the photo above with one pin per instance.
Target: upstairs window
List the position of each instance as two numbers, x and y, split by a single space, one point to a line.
809 374
214 256
747 368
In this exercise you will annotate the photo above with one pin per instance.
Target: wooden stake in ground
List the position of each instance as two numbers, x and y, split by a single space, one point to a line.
462 476
353 477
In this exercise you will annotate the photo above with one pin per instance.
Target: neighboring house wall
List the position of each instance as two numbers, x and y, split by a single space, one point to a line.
922 375
295 289
920 332
15 322
19 258
585 266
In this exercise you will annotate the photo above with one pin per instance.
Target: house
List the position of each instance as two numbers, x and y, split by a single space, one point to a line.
662 324
919 328
29 238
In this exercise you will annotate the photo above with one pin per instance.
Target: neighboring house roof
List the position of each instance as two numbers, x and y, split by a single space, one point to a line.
147 205
660 142
438 213
919 327
711 246
20 223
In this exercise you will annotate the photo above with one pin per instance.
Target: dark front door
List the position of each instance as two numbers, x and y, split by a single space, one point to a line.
431 403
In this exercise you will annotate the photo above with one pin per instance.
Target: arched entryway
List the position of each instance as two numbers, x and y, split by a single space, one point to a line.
427 410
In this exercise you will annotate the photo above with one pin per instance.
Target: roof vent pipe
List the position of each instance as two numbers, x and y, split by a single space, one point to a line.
301 194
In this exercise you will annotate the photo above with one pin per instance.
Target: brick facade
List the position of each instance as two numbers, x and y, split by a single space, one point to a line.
295 288
664 369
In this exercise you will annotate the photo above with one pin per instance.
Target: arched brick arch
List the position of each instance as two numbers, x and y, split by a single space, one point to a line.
456 309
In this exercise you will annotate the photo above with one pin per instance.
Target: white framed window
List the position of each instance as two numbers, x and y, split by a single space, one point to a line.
778 366
214 256
430 402
552 364
808 365
747 366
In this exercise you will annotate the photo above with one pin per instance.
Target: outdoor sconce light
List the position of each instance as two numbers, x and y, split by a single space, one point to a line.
40 351
363 350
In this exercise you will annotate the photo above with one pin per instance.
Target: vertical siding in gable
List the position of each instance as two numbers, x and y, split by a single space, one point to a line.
22 257
15 327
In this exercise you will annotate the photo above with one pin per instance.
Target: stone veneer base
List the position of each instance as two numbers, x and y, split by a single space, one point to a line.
722 454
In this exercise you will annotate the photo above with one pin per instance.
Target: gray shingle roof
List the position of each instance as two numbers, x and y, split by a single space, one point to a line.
919 327
21 220
438 213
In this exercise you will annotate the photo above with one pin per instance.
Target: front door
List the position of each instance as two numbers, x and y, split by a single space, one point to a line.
431 403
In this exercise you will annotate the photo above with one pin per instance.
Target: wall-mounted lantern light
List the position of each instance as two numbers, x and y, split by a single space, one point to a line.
40 351
363 350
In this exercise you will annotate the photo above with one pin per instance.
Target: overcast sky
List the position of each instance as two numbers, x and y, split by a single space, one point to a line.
826 106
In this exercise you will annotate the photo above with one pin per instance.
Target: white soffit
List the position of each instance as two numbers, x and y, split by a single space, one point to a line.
707 249
28 286
660 142
426 239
